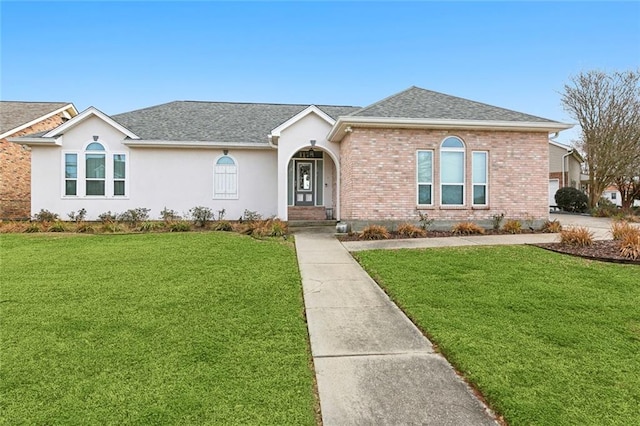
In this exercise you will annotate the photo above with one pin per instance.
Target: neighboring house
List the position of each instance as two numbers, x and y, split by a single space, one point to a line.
416 151
565 168
18 119
612 194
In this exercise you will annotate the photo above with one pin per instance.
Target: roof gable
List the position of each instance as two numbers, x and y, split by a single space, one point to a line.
16 116
89 112
312 109
419 103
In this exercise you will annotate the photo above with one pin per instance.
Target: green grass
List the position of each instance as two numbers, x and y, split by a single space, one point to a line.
548 339
197 328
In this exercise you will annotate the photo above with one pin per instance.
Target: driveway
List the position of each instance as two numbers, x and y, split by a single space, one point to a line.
600 226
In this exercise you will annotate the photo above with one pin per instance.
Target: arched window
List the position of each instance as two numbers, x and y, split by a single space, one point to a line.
95 169
94 172
225 179
452 171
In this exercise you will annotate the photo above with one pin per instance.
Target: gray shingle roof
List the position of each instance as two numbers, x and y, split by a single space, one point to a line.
420 103
215 121
14 114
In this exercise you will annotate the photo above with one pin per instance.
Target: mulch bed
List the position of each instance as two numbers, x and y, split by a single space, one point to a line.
605 251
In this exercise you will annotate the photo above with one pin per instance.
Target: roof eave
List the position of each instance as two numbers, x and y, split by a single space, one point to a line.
151 143
344 124
36 141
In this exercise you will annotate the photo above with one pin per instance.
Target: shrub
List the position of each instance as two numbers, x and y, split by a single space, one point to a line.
85 228
201 215
576 236
77 217
278 228
169 215
605 208
375 232
134 216
33 227
411 231
223 225
572 200
496 220
180 226
552 226
467 228
107 217
57 226
425 222
251 216
45 216
111 227
630 246
13 227
619 230
149 226
513 226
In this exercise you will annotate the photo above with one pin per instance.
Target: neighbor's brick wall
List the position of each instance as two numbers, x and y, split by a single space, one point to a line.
558 175
378 175
15 172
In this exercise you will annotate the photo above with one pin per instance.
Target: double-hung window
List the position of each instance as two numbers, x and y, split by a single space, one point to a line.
480 178
452 173
70 174
425 177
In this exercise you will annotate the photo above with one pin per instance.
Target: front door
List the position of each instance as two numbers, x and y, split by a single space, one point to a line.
304 193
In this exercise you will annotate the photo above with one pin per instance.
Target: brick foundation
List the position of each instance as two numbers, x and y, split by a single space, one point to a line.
307 213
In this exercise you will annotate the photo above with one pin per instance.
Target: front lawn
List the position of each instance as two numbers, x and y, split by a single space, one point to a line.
548 339
196 328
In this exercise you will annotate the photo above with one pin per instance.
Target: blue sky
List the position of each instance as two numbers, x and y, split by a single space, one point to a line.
121 56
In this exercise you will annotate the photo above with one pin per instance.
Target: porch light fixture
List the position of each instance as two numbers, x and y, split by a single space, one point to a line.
225 151
95 138
313 142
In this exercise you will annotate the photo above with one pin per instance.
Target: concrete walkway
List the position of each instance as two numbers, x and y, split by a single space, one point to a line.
373 366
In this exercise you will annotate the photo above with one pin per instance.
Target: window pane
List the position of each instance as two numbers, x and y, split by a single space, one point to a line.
319 182
118 187
452 165
119 166
452 142
95 187
71 166
95 166
70 187
95 146
479 194
226 160
424 194
425 166
452 194
479 167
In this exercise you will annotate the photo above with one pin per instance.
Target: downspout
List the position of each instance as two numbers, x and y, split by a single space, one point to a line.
563 158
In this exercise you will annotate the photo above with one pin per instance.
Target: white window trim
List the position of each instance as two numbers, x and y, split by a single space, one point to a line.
126 175
63 188
235 196
486 178
81 187
464 172
418 183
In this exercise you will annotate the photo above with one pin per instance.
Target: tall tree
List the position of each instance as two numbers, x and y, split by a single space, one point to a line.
607 107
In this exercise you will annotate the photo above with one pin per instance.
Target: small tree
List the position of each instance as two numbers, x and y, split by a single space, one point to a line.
607 107
571 200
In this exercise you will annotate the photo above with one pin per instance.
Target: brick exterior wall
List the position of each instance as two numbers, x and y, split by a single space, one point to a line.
307 213
15 172
378 175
